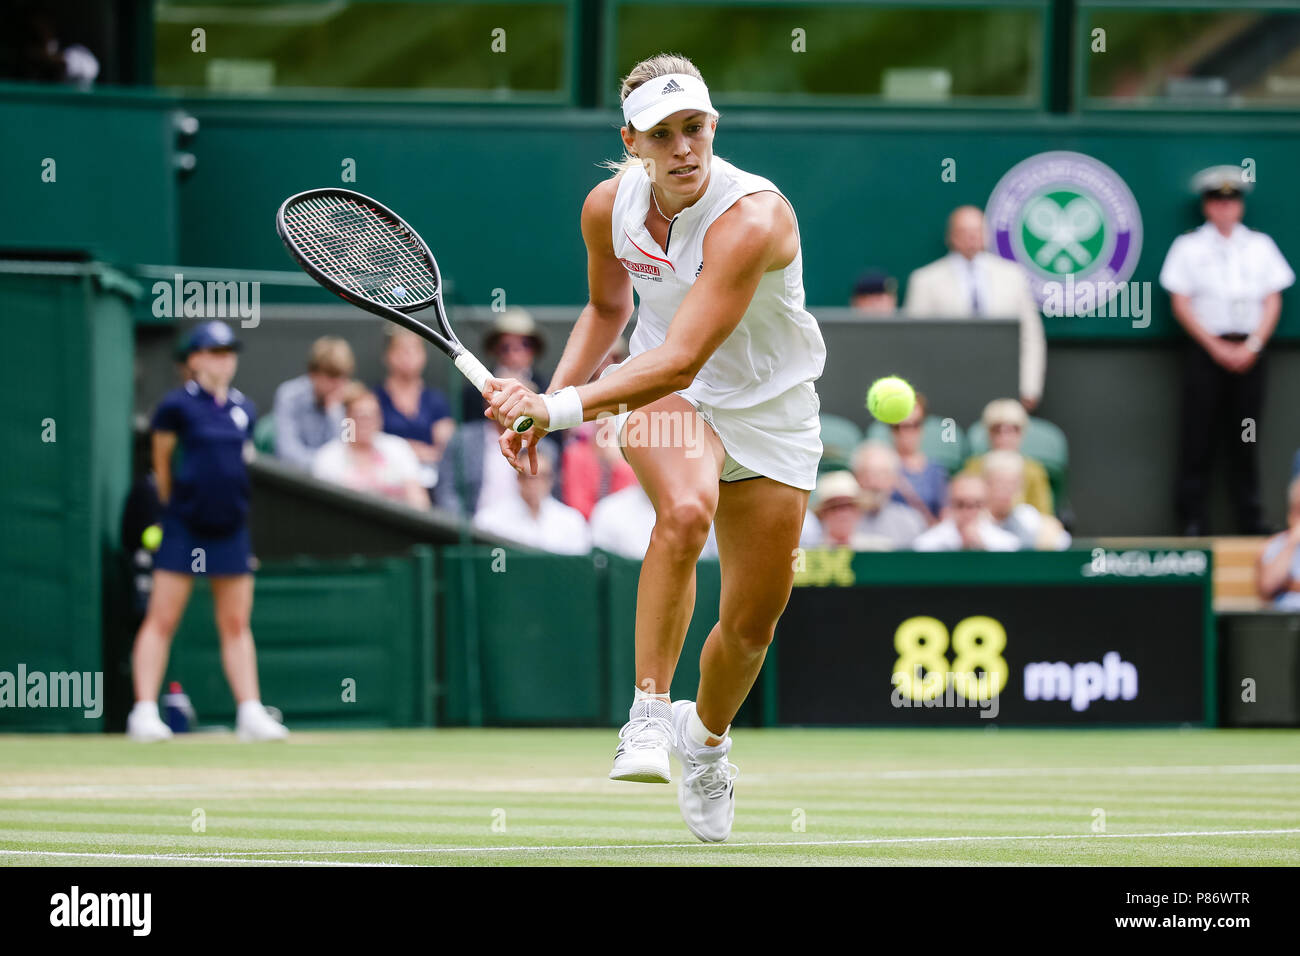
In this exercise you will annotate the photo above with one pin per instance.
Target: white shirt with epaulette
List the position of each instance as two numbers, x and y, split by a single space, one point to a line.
1226 277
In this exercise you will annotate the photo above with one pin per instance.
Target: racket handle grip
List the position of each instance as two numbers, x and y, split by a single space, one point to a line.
474 370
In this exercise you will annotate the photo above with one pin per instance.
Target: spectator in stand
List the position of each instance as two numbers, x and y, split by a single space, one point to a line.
532 516
1295 466
204 533
473 469
410 409
972 283
366 459
837 504
592 464
968 526
510 350
623 521
308 410
875 294
1278 574
1005 421
1004 471
890 525
923 484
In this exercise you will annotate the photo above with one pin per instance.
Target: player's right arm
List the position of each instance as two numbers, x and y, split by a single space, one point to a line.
602 320
164 443
609 304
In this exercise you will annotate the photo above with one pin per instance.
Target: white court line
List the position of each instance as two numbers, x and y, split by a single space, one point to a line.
591 783
189 859
876 842
266 857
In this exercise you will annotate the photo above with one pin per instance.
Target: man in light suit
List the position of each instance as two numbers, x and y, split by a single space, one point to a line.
972 283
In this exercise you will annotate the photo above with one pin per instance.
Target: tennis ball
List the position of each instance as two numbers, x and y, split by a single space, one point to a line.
891 399
152 537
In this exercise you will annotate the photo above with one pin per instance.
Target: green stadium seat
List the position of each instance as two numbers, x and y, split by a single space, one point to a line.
950 454
1045 443
264 434
839 437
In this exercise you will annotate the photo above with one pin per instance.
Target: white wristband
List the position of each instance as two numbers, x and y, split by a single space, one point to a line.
563 408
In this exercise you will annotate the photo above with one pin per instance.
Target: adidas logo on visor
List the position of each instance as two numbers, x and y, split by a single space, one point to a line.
671 86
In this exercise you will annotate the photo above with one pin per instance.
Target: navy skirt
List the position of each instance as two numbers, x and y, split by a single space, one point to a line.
186 551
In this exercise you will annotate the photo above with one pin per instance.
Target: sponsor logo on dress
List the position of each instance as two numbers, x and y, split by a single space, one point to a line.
645 270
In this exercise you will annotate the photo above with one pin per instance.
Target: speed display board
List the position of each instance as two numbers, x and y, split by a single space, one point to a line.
1082 637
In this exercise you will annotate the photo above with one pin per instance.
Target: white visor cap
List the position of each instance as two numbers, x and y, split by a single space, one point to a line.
663 96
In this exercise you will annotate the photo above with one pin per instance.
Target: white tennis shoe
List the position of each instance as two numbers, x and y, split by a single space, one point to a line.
706 793
144 724
252 722
644 744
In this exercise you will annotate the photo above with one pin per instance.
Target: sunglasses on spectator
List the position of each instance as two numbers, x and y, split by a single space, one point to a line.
967 503
901 425
1004 427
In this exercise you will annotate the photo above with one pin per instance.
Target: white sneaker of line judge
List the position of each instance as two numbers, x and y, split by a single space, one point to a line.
645 743
144 724
252 722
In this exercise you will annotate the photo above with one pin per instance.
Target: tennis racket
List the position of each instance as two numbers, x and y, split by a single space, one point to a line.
366 254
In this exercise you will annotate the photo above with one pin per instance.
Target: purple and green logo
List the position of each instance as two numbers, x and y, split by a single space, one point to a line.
1066 216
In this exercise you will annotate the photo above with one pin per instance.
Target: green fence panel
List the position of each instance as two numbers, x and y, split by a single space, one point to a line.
621 628
523 638
89 171
65 406
319 626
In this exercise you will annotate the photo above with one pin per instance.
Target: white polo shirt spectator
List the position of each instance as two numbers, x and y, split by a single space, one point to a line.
531 516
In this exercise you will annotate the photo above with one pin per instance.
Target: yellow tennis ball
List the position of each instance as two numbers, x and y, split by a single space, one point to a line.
152 537
891 399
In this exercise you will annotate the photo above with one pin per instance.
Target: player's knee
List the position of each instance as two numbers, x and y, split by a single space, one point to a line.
684 524
750 633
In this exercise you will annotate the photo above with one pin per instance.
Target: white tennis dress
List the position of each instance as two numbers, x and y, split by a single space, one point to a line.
756 390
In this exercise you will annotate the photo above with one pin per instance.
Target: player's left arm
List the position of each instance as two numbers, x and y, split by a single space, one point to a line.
755 236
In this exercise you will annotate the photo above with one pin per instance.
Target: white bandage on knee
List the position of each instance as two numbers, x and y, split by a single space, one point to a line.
563 408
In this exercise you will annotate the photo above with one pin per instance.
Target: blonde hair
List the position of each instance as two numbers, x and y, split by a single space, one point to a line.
354 392
1004 463
661 64
331 355
1005 411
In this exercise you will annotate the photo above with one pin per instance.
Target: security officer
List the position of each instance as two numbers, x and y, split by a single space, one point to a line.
1225 282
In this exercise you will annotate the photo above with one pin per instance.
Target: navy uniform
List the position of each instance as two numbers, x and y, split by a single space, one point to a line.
208 508
1227 280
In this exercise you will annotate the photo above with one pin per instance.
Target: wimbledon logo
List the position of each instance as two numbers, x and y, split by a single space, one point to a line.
1066 216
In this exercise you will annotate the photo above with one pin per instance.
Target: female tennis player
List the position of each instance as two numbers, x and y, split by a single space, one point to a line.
723 427
204 532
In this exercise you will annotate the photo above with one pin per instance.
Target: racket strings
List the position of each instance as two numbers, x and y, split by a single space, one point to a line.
361 249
